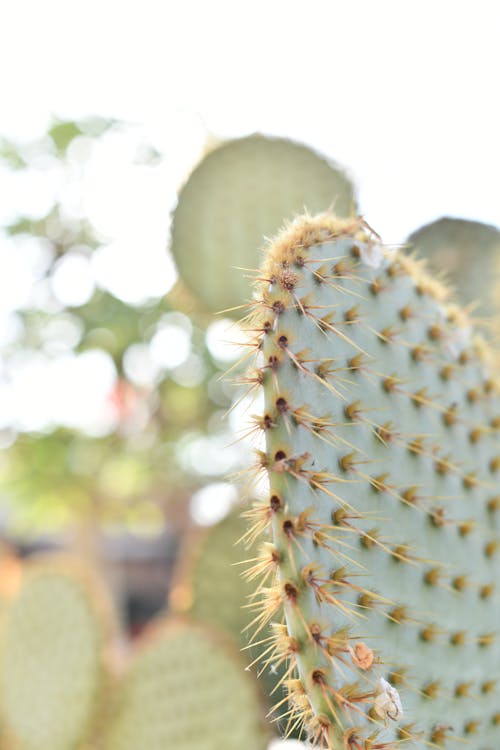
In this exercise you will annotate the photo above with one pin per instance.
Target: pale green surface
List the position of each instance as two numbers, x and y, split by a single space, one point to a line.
186 692
215 576
240 193
468 253
50 664
402 583
221 594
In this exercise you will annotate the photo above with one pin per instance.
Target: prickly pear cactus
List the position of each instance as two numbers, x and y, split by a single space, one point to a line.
186 690
383 457
235 197
211 588
468 252
209 583
52 675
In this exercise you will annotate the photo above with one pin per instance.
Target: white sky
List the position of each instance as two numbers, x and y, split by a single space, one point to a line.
404 94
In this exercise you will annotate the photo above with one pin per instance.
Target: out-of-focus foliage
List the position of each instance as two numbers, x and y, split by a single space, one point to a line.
158 400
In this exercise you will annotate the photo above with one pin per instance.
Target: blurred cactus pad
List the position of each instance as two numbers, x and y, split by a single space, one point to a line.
209 584
211 588
234 198
52 673
382 451
468 253
186 689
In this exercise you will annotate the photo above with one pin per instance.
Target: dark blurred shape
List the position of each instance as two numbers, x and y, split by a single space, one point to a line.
141 570
138 570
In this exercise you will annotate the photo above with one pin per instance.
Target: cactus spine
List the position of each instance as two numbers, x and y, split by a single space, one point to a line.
382 452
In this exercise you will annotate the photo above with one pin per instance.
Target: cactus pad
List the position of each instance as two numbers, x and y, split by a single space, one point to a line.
382 452
236 196
469 252
186 691
211 587
51 660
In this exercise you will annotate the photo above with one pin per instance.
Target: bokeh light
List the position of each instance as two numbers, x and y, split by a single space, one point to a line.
212 502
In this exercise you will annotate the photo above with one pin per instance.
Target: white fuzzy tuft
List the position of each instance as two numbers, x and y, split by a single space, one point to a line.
371 254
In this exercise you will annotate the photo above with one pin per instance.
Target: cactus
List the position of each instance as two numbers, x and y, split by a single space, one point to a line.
210 587
236 196
382 453
469 252
52 674
186 689
208 581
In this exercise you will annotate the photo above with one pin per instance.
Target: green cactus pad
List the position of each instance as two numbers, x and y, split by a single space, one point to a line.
51 658
469 253
211 588
235 197
383 457
186 690
209 582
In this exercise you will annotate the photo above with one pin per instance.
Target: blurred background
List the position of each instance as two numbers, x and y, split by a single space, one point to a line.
117 433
